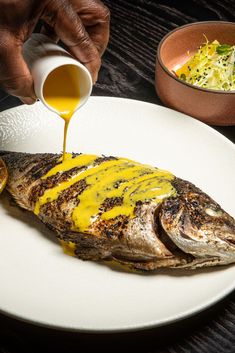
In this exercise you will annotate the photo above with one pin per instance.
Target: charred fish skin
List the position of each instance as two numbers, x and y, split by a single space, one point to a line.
24 171
113 208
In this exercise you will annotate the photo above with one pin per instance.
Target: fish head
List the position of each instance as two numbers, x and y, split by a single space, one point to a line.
198 225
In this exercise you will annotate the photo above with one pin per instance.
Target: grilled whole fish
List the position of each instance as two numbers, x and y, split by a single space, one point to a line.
116 209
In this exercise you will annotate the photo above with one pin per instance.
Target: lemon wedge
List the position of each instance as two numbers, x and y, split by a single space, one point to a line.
3 175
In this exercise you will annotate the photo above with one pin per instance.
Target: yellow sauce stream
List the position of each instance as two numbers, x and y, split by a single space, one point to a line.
120 178
61 92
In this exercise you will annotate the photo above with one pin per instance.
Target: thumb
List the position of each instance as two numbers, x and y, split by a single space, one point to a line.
15 76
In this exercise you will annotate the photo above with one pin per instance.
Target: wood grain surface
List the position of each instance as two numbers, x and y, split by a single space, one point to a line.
128 69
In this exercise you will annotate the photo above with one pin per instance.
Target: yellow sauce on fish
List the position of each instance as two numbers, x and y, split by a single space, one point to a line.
116 178
69 247
61 92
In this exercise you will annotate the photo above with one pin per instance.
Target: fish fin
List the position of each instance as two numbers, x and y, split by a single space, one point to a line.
203 262
154 264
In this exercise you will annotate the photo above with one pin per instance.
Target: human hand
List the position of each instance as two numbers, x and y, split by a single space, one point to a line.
82 25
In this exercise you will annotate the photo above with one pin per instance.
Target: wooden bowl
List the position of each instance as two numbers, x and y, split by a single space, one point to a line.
213 107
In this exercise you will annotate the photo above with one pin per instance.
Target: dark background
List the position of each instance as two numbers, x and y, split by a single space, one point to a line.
128 70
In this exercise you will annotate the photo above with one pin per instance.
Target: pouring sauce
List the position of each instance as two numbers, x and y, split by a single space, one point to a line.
61 92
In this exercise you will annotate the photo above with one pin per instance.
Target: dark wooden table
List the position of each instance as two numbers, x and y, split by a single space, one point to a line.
128 67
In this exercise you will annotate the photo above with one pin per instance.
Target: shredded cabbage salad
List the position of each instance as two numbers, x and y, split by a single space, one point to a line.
212 66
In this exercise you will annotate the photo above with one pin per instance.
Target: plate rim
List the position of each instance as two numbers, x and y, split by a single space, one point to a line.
129 328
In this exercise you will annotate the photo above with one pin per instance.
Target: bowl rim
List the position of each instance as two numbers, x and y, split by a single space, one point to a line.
168 72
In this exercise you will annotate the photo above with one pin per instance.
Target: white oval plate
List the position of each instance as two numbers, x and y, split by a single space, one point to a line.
40 284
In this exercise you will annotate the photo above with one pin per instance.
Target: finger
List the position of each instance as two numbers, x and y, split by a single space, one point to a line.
68 26
49 32
99 36
15 76
95 16
28 100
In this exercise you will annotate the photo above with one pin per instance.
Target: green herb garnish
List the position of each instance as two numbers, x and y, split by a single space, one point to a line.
223 49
